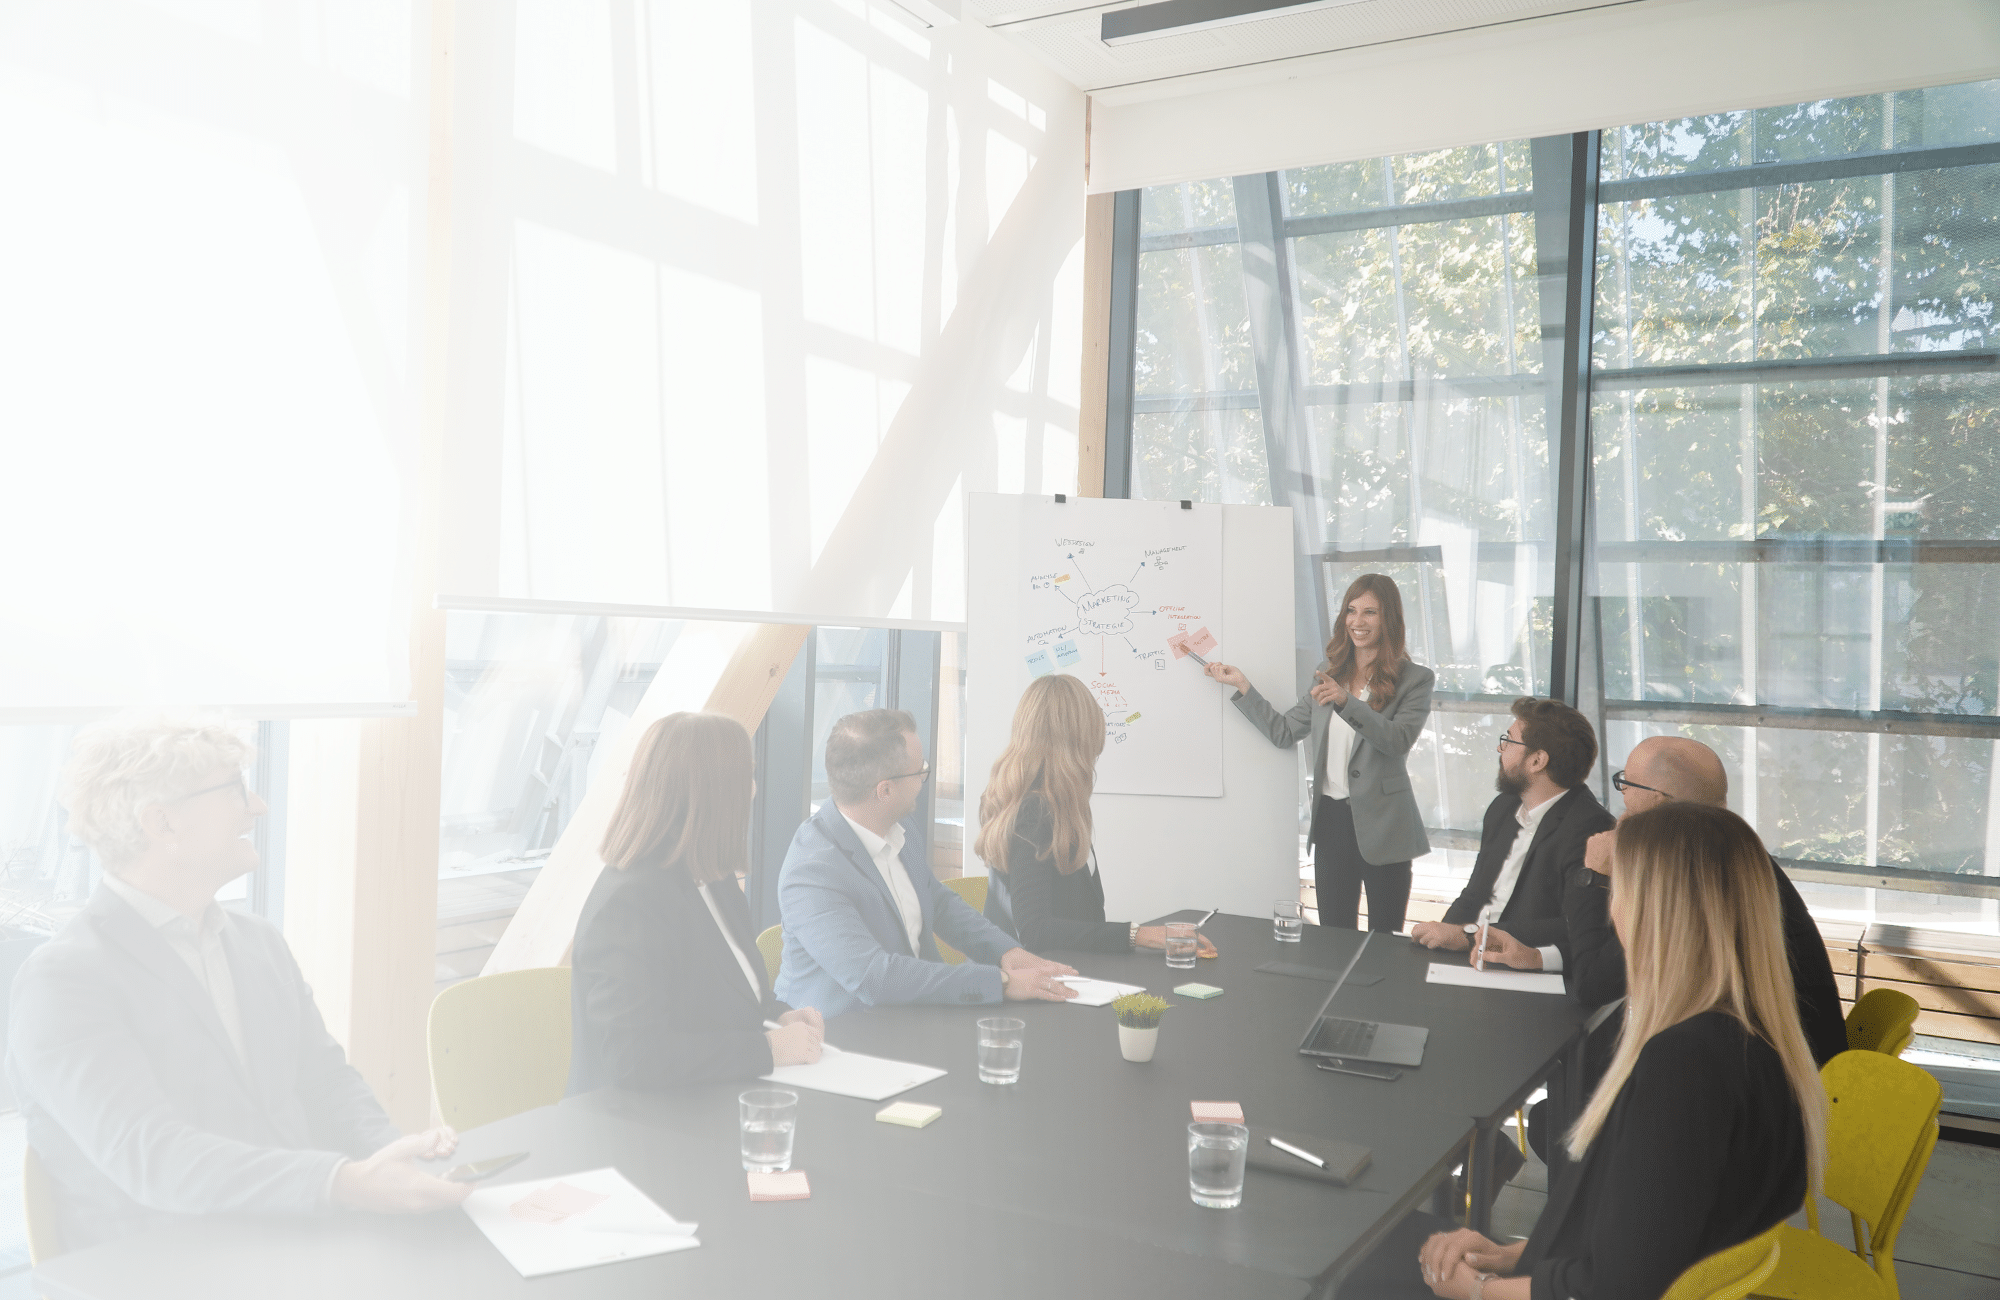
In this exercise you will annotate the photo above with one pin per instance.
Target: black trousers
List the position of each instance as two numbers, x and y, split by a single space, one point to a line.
1339 872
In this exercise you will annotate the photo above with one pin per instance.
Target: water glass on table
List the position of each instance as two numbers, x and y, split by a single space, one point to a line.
766 1120
1287 920
1000 1050
1180 944
1216 1156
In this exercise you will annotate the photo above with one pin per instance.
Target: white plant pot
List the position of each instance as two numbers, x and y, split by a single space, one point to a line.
1137 1044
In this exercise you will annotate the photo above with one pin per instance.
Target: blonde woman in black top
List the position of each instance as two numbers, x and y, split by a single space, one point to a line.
1034 828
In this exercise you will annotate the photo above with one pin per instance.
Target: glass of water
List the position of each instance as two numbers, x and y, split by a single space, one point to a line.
766 1118
1000 1050
1287 921
1180 944
1216 1155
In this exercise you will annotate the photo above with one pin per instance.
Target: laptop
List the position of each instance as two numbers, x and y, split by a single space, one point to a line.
1361 1040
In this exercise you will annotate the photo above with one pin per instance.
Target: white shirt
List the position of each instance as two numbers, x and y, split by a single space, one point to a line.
1510 874
199 945
887 854
749 971
1339 740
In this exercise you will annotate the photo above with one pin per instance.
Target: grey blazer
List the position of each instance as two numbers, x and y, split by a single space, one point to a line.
1387 825
137 1102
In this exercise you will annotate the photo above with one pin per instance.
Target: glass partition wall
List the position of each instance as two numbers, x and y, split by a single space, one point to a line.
1695 424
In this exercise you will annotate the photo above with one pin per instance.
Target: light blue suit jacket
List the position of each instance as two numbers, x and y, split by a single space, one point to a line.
845 945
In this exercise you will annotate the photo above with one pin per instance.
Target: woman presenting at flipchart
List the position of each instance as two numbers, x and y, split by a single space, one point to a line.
1367 705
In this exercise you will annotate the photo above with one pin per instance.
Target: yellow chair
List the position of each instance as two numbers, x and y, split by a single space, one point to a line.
1729 1274
1881 1127
970 888
771 943
38 1205
500 1045
1884 1020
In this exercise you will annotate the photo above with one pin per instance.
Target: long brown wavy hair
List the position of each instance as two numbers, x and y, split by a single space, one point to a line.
1058 734
687 799
1390 656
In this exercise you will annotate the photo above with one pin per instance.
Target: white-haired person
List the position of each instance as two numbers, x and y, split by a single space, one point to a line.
166 1053
1710 1124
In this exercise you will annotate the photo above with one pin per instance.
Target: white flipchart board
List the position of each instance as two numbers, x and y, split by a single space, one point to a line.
1159 853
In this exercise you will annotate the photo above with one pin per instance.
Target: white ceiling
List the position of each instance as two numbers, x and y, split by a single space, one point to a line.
1064 34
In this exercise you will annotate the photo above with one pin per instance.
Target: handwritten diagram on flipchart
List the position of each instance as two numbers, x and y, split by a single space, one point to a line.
1121 595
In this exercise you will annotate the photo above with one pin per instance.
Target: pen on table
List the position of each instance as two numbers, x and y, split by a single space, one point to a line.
1289 1149
1479 958
1204 920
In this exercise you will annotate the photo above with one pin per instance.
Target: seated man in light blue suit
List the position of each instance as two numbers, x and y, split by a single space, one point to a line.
860 903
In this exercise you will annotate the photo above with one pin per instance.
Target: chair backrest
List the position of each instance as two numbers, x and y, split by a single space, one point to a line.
38 1205
500 1045
1884 1020
970 888
1880 1129
1732 1273
771 944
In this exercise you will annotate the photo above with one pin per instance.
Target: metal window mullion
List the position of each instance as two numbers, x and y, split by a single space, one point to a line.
1274 345
1122 354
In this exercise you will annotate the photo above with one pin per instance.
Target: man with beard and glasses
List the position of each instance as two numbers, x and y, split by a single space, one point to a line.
1532 846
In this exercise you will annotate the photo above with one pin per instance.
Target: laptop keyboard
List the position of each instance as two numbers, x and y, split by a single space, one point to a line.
1344 1037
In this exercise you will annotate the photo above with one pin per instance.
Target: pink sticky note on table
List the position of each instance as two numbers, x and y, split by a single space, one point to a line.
556 1203
790 1186
1200 641
1217 1112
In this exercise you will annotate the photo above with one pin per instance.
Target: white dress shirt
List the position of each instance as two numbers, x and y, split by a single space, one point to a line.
199 945
1339 740
1510 874
742 960
887 855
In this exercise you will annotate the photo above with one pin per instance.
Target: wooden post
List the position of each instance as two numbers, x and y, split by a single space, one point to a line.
1097 238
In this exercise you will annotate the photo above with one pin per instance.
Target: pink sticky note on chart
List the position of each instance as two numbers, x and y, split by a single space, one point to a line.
556 1203
1200 641
1178 642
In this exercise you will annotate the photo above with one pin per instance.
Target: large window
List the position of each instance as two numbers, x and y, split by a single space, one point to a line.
1777 452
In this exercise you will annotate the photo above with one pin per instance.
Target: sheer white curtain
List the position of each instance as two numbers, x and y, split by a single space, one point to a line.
747 297
206 353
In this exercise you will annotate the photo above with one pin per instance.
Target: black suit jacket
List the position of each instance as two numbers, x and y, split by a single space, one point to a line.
657 998
1041 906
1704 1148
136 1100
1594 968
1534 912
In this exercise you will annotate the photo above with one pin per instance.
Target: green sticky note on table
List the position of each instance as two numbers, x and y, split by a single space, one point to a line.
1198 991
911 1114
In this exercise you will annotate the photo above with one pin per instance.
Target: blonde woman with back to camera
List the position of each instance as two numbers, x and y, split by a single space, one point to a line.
1710 1125
1035 827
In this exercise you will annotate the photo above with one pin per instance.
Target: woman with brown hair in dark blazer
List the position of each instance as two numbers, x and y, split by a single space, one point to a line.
1366 707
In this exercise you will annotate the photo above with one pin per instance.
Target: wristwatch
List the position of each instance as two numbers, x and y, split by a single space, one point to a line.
1479 1285
1132 940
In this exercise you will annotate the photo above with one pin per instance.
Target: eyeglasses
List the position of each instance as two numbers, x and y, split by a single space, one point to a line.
237 784
924 772
1620 784
1509 740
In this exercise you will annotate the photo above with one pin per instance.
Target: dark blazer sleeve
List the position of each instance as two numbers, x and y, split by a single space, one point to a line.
1812 974
1555 866
1046 911
1667 1152
338 1102
1594 962
1493 846
662 999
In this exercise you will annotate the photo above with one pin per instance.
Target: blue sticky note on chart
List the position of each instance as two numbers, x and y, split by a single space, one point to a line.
1039 665
1067 653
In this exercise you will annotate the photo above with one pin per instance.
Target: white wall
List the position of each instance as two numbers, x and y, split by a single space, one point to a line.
747 297
1605 67
1161 853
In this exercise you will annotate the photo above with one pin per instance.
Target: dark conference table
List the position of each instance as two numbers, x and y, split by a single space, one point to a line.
1073 1181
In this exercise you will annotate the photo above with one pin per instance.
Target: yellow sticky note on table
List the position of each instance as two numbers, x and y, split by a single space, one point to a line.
910 1114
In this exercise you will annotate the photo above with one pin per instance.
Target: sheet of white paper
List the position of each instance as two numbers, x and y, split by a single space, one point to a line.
853 1074
627 1226
1096 993
1496 977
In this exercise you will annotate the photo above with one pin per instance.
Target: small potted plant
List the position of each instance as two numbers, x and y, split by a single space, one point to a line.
1138 1024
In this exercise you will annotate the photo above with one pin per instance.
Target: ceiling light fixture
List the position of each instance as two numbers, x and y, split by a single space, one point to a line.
1175 17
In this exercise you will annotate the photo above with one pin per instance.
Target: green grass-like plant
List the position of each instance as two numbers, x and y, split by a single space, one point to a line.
1140 1010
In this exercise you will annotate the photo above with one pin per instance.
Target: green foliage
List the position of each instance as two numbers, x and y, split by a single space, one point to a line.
1140 1010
